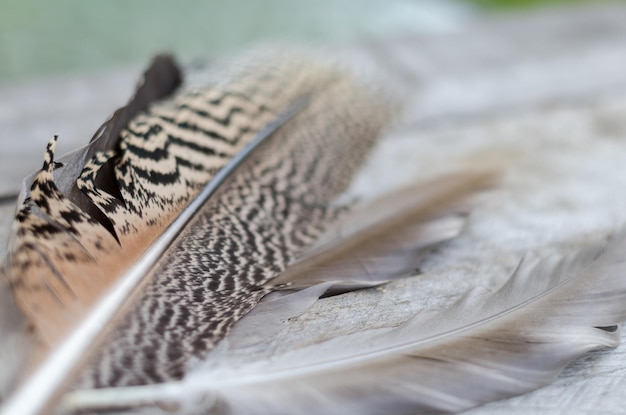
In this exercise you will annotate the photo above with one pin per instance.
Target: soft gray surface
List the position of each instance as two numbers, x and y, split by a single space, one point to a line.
542 97
71 107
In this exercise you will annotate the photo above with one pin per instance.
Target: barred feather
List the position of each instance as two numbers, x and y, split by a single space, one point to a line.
65 255
145 275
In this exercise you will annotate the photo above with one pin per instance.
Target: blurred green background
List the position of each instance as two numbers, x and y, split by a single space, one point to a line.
43 38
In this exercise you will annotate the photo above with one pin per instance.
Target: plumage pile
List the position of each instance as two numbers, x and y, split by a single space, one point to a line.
132 258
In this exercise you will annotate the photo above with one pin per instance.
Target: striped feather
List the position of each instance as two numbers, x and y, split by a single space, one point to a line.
187 215
68 250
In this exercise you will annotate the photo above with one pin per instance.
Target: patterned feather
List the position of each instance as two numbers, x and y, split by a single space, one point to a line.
126 235
129 266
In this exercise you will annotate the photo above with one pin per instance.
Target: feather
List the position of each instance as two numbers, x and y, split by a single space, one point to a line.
486 346
116 300
74 272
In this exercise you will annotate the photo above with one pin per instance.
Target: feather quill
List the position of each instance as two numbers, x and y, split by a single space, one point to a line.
485 347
